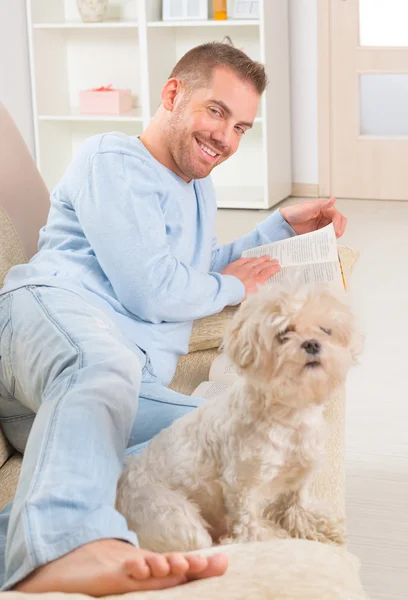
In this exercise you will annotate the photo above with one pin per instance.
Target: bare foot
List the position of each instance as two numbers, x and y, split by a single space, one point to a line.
114 567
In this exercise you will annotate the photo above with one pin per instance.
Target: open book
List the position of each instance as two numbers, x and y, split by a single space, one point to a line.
222 375
313 256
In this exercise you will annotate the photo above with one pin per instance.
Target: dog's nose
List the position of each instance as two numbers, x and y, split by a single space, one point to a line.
312 346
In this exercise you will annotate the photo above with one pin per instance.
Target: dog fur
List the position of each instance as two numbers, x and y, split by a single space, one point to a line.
237 468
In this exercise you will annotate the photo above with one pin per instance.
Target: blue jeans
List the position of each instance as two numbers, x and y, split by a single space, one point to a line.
75 397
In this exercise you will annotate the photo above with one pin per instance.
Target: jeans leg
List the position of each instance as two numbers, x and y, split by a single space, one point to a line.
4 521
158 408
65 360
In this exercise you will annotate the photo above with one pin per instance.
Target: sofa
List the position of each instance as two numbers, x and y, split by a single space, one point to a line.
274 570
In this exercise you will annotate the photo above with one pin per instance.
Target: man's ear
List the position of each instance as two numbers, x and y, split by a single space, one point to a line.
170 90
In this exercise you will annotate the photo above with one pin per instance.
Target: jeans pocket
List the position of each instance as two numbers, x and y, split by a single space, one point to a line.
148 372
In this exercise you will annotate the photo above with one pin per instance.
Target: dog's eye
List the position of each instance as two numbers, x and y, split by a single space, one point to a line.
325 330
282 336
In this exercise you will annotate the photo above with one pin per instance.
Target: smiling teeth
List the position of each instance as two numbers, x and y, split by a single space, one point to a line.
210 152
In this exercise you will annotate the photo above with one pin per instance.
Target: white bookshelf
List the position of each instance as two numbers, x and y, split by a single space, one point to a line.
134 49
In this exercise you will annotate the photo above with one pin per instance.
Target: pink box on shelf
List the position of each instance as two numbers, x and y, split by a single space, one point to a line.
105 100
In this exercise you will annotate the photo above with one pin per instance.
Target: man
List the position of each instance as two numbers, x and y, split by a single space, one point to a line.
91 329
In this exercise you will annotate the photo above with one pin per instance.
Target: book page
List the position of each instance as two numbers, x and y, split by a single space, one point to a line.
311 257
222 370
314 247
211 389
325 272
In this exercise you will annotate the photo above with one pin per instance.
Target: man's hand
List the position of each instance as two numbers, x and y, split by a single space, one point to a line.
314 214
252 271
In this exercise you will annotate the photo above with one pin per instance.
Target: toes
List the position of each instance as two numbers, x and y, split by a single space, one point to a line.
161 583
159 565
178 563
137 568
217 565
196 563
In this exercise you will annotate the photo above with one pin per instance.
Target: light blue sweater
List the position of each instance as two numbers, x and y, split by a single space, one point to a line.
133 238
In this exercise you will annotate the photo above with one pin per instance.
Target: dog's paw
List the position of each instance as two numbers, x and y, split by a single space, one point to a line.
333 531
272 530
241 534
302 523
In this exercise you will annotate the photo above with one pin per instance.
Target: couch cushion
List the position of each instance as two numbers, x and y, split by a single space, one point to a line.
9 474
276 570
11 251
23 193
5 451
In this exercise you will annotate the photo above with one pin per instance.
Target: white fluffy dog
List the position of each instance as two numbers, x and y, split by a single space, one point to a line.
237 468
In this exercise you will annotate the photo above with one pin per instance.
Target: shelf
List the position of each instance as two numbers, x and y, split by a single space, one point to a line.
205 23
81 25
239 197
134 49
75 115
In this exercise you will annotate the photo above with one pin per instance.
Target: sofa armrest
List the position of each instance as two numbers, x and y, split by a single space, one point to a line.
11 250
207 332
5 449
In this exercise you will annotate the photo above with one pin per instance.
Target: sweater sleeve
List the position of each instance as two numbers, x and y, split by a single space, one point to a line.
272 229
119 210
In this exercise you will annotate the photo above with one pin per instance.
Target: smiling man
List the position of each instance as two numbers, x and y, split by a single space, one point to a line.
92 328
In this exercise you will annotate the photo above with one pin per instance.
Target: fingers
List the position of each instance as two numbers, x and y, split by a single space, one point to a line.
339 221
331 213
270 263
267 272
342 226
329 201
252 260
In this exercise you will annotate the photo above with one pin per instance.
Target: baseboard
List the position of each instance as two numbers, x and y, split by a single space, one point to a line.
305 190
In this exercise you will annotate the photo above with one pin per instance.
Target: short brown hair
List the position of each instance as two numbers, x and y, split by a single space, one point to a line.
195 68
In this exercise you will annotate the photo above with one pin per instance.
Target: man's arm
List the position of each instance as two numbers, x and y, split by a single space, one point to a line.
272 229
119 210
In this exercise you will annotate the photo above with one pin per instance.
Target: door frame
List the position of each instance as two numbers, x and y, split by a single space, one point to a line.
324 96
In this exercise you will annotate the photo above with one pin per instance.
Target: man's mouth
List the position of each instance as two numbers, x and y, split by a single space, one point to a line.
208 153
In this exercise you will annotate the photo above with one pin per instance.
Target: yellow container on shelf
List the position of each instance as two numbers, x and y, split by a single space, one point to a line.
220 10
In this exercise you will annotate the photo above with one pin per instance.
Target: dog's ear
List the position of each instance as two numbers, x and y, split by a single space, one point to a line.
241 339
356 343
349 331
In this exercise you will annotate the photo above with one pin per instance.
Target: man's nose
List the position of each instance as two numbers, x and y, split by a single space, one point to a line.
222 136
312 346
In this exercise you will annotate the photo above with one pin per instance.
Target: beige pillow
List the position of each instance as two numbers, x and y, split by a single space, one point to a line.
276 570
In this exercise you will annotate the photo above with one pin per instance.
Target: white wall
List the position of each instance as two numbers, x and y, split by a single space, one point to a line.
303 61
14 67
15 85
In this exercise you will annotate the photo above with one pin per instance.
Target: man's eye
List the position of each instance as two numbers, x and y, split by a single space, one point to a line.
240 130
326 330
215 111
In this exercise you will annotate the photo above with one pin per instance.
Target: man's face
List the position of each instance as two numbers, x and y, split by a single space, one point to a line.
207 125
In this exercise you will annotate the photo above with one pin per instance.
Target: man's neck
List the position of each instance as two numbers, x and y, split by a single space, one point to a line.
153 140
